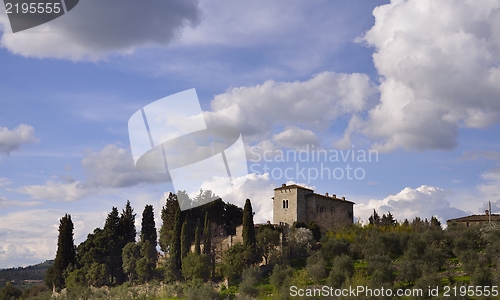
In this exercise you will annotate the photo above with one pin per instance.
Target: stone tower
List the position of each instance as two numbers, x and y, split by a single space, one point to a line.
293 203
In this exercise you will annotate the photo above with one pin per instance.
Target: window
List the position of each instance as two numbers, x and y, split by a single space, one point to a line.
285 203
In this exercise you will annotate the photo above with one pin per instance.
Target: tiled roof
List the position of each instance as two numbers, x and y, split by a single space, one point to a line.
476 218
328 197
292 186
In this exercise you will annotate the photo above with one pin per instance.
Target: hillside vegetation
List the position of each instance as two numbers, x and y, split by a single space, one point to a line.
278 263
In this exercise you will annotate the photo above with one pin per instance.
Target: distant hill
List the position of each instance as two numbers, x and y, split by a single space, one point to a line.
20 275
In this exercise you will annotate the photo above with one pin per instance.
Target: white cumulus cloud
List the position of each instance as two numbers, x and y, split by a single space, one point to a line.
12 140
440 68
30 237
312 104
259 189
112 167
296 138
424 202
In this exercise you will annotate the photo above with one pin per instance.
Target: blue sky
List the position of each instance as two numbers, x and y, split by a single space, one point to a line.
416 81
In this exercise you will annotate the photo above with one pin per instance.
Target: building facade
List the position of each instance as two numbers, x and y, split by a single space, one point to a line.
474 220
293 203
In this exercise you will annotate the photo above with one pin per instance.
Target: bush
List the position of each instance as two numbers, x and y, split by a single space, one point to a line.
34 291
381 270
248 287
316 266
343 268
250 276
281 276
234 262
202 292
482 277
431 280
196 266
332 247
9 292
251 272
301 243
469 260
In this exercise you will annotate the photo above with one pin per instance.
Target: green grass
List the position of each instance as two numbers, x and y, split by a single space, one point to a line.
462 279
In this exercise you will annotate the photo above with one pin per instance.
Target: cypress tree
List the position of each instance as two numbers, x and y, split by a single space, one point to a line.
168 220
207 241
112 221
148 227
197 248
175 247
185 241
65 252
374 219
112 245
127 225
249 240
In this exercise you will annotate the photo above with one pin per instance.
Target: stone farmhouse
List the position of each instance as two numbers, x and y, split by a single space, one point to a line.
474 220
294 203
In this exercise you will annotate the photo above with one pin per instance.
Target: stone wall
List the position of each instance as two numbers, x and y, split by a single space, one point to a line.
329 212
305 206
297 206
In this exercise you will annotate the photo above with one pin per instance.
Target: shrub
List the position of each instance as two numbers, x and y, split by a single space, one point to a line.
332 247
202 292
281 276
316 266
196 266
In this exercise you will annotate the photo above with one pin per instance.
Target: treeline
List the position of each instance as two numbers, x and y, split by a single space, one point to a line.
385 253
111 256
18 275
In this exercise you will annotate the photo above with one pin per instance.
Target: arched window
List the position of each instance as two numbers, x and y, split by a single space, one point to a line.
284 204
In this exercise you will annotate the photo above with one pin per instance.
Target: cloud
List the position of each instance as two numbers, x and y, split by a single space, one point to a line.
5 182
57 191
313 103
4 203
259 189
112 167
424 202
440 67
490 189
30 237
112 28
475 155
296 138
12 140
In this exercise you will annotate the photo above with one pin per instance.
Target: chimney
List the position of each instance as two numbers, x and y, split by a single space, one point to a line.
283 185
334 196
487 212
326 194
343 198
